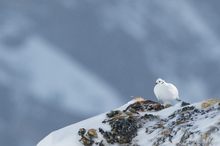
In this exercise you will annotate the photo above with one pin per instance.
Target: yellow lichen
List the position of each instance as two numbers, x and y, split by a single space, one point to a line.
210 102
139 99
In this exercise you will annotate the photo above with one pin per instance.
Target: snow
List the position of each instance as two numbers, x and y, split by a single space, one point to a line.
166 112
68 136
156 25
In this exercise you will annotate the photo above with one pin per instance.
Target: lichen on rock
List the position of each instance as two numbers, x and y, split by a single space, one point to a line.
183 124
210 102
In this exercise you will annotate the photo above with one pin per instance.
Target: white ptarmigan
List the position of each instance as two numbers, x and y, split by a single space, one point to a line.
166 92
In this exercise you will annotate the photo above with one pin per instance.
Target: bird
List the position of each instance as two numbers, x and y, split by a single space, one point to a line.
166 92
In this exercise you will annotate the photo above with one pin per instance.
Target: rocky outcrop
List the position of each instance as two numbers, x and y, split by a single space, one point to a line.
145 122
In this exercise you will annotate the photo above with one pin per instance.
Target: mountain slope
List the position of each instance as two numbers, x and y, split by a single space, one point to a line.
144 122
126 45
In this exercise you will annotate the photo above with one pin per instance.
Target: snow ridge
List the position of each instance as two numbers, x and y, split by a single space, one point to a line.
143 122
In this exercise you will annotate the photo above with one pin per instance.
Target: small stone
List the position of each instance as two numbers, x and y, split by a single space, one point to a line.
113 113
86 141
187 108
149 117
100 143
166 132
92 133
101 131
81 131
184 103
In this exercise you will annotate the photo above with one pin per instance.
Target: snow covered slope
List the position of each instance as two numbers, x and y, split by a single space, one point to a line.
125 45
144 122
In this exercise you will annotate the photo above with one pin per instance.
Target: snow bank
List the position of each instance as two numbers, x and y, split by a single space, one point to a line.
183 123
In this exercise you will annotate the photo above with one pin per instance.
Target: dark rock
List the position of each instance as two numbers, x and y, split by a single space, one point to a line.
125 125
146 105
184 103
123 130
81 131
113 113
149 117
187 108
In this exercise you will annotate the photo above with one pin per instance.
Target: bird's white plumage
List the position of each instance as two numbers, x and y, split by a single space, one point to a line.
165 92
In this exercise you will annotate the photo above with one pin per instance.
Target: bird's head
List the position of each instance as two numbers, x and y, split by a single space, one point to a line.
160 81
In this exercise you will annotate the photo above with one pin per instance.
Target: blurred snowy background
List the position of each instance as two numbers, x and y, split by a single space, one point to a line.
62 61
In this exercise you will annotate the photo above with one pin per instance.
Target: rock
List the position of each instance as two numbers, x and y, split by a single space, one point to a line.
144 105
125 124
113 113
81 131
210 102
123 130
86 141
92 133
184 103
145 122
